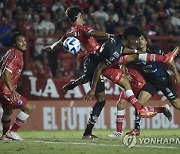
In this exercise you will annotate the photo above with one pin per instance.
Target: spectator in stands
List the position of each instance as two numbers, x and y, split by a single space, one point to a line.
5 31
58 4
40 68
46 24
62 72
100 14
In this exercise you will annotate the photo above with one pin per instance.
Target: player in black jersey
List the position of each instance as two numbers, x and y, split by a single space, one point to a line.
110 52
156 74
109 55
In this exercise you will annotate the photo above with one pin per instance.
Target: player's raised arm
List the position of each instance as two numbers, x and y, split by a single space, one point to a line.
54 44
99 34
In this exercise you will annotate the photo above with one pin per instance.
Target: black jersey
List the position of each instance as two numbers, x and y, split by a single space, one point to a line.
111 50
154 71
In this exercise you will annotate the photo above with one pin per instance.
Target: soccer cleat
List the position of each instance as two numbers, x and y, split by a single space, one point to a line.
167 112
144 113
13 135
89 137
4 138
69 86
134 132
171 55
116 134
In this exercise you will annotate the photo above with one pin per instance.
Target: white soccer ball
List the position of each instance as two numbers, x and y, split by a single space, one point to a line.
72 45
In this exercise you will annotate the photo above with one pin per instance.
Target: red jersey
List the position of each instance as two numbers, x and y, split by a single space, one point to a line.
89 44
13 62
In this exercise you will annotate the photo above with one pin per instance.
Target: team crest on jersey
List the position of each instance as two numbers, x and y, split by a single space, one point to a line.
14 56
19 102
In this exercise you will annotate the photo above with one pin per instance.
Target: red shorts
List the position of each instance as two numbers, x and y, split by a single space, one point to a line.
113 74
6 102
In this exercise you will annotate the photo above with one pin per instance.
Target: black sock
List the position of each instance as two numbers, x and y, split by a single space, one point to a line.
137 121
98 106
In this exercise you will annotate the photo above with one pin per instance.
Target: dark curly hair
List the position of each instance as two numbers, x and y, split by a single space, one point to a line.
72 13
14 36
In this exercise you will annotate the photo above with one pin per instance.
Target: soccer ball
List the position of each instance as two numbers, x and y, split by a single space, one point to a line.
72 45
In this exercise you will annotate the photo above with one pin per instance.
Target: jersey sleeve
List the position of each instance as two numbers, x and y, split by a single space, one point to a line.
87 30
12 62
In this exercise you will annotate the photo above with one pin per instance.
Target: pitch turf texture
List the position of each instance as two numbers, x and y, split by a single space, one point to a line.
70 142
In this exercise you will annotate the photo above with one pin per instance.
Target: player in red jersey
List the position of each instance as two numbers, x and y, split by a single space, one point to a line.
142 90
11 66
86 34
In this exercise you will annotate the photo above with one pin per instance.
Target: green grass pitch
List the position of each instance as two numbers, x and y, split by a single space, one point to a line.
70 142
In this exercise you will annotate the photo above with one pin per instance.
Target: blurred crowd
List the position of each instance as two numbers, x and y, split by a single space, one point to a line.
47 17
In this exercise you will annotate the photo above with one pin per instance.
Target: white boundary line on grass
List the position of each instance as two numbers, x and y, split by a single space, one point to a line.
100 144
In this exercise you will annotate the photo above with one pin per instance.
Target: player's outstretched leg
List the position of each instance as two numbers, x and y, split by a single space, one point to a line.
171 55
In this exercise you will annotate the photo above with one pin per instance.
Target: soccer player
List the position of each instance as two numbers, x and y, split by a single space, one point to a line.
156 74
86 35
145 90
104 63
11 66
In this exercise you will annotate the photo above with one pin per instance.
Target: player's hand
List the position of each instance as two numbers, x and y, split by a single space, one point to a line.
14 96
49 47
109 35
69 86
89 95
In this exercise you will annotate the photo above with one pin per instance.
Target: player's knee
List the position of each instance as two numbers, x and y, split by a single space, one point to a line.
121 105
28 109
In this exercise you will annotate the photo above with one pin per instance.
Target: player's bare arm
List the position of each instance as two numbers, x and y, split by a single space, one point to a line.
52 46
98 71
6 77
99 34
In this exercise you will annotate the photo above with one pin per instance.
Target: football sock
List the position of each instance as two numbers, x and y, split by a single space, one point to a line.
6 122
93 117
132 99
21 118
137 121
152 57
119 120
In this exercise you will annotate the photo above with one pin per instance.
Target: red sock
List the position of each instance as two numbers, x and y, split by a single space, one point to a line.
17 124
6 125
157 58
119 120
21 118
133 100
152 57
157 109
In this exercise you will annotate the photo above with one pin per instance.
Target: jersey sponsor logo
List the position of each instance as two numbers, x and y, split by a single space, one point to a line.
113 58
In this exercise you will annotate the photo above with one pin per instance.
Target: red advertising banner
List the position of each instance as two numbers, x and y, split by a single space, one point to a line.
51 89
73 114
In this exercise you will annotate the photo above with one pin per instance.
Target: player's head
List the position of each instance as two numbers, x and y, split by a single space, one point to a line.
142 41
74 14
135 37
18 41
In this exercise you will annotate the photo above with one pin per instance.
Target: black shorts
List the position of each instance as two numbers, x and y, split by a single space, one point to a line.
167 88
90 65
148 87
